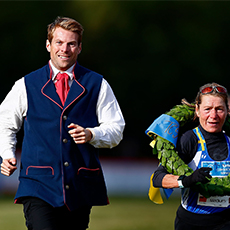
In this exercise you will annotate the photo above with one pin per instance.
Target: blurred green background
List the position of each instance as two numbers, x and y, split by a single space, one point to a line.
122 214
153 53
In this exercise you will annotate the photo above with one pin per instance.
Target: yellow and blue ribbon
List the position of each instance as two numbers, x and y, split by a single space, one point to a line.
166 127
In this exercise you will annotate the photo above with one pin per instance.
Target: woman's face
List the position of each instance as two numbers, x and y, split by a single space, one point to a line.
212 113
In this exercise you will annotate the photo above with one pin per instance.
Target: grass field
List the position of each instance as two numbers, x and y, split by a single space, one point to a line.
135 213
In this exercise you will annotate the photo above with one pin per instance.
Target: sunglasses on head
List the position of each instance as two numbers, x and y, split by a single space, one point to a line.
210 89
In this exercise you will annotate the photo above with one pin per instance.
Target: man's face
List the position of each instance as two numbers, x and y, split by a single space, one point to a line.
64 48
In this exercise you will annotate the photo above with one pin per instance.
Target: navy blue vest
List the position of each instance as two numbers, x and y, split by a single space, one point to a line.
53 167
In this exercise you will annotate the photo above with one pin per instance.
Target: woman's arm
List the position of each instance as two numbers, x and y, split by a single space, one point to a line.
162 179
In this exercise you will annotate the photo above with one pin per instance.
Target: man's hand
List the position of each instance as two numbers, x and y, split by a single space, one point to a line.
79 134
8 166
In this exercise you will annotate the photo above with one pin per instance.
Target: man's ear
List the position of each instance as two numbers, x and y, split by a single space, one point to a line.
48 45
80 48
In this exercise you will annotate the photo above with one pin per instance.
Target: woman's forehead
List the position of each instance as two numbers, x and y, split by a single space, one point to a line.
212 100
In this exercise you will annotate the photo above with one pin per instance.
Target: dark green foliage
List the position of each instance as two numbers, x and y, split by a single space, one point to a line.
169 158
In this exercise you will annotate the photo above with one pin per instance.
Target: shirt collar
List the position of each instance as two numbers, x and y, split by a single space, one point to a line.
55 71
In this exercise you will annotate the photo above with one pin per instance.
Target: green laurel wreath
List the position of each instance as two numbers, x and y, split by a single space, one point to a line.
169 158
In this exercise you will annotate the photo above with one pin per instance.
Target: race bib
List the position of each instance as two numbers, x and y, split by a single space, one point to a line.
213 201
219 168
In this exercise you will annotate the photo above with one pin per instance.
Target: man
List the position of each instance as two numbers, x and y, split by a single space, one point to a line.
66 119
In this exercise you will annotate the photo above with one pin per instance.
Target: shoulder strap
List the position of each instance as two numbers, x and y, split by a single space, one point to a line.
201 140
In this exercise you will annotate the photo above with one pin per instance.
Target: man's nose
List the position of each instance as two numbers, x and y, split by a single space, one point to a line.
64 47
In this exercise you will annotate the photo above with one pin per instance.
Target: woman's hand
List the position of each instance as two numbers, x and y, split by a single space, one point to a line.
200 175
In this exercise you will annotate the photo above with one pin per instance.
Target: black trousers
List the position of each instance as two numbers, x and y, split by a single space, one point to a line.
40 215
181 225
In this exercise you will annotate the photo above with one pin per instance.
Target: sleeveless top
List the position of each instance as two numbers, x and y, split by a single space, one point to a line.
194 202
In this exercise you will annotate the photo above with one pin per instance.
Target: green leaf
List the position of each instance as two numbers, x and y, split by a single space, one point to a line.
180 170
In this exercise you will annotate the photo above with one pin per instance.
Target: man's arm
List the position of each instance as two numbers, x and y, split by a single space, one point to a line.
109 133
12 111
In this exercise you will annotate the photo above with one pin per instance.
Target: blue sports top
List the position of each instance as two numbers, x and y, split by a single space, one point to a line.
194 202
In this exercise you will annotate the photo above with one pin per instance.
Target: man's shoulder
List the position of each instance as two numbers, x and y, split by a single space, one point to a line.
81 70
41 71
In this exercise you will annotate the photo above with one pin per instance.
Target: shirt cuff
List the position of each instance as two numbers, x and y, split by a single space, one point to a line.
93 134
7 154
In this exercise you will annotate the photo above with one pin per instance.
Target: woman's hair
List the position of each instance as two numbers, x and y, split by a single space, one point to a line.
67 24
198 100
223 95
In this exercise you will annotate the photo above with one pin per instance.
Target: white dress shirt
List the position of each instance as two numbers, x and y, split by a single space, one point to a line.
14 108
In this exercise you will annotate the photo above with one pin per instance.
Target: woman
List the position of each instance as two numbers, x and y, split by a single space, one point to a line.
206 150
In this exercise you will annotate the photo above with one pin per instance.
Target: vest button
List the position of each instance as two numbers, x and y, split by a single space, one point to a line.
64 117
67 187
65 140
66 164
